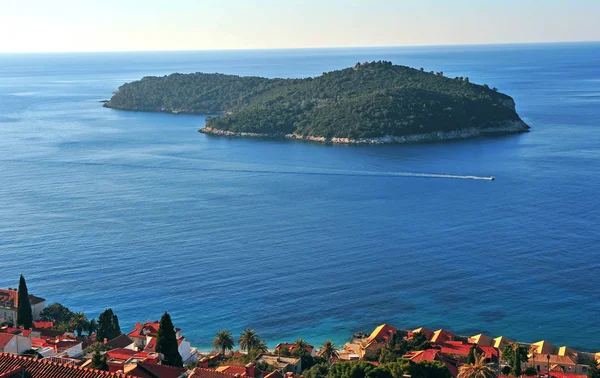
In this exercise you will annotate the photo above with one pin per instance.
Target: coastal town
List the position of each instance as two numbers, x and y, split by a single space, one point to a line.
41 340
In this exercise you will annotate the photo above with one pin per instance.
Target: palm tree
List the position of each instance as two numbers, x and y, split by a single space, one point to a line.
329 350
479 369
261 347
249 340
299 347
78 323
223 341
92 327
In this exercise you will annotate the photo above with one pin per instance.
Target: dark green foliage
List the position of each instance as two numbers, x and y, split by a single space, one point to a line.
431 369
367 100
506 370
56 313
402 345
397 369
593 371
99 361
96 347
471 355
531 372
317 371
108 326
24 314
166 342
350 370
32 353
515 355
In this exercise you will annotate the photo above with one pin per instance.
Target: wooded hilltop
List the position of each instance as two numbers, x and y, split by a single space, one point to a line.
374 102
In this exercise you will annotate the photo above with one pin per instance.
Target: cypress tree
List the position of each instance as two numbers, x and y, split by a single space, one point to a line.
99 361
24 313
471 355
108 326
166 342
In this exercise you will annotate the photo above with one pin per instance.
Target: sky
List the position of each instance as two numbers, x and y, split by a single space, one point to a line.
145 25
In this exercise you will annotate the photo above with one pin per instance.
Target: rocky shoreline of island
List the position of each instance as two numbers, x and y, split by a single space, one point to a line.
508 127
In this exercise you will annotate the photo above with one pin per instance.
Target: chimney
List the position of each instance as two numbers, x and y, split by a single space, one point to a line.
204 363
250 370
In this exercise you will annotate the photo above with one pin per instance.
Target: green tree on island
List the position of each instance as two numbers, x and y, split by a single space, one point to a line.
99 361
223 341
166 342
299 348
108 326
24 313
92 327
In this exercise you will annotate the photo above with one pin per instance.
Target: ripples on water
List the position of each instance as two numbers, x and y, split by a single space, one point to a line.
142 213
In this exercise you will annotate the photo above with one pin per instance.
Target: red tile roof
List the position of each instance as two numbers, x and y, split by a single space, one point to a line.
9 297
5 339
120 353
274 374
290 347
433 355
10 363
146 329
146 370
42 325
229 369
208 373
442 336
382 333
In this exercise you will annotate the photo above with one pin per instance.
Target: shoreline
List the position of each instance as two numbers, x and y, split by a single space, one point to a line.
509 127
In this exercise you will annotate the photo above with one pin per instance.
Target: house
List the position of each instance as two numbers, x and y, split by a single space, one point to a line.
14 343
542 347
200 372
9 305
501 341
290 348
149 370
433 355
442 336
121 341
559 364
481 339
248 371
144 338
283 364
13 366
383 333
428 333
59 346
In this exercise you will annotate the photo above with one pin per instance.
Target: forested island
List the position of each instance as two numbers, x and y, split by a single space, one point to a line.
374 103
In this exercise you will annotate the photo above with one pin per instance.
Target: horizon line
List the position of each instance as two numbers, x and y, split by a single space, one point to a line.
305 48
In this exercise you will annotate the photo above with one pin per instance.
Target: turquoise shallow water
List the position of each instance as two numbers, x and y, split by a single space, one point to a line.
141 213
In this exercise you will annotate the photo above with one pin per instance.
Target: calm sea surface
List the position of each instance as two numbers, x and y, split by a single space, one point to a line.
140 212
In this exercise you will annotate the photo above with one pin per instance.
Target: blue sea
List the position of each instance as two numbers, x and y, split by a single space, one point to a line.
140 212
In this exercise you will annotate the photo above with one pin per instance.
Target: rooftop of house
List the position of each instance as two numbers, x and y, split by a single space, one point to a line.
290 347
501 341
433 355
5 338
42 325
120 341
481 339
274 374
209 373
441 336
9 298
147 370
542 347
554 359
146 329
280 362
13 366
382 333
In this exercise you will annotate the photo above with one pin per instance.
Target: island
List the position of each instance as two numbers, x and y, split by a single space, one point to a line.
370 103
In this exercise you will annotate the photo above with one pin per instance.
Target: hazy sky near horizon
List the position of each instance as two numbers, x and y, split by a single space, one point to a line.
123 25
